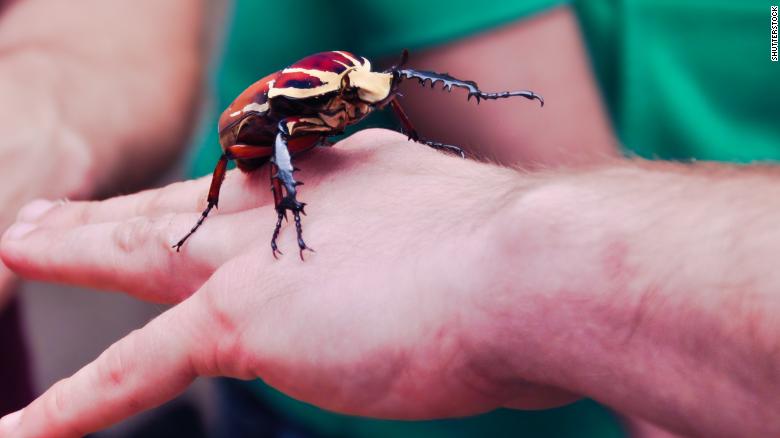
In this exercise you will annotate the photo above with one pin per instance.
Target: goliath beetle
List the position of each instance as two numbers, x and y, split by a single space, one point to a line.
297 108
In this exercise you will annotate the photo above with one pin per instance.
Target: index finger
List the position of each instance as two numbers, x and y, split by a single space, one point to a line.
239 191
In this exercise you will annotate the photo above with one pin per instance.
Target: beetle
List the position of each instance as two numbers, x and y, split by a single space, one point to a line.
299 107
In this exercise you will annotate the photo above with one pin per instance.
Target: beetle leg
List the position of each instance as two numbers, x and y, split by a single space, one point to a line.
448 82
409 130
213 199
324 142
237 151
276 189
282 162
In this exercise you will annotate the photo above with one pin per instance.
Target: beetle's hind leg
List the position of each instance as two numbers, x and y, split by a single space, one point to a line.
236 151
213 199
282 176
409 130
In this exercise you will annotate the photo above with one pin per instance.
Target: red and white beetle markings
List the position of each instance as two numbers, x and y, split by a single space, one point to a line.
300 106
251 107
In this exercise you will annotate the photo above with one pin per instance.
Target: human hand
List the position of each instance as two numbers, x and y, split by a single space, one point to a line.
400 313
67 101
39 155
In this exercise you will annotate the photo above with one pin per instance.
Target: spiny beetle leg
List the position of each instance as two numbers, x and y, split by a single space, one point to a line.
297 208
283 176
299 230
409 130
443 147
505 94
274 248
449 81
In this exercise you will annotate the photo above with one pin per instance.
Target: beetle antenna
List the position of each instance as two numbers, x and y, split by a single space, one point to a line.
401 62
346 83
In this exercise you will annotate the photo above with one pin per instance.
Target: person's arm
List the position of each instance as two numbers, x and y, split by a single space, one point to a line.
97 95
544 53
440 287
657 285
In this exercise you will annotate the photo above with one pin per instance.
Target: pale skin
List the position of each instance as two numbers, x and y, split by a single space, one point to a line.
238 286
82 86
631 283
544 54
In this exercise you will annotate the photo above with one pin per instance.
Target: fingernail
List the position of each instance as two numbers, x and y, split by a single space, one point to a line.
34 210
10 423
19 230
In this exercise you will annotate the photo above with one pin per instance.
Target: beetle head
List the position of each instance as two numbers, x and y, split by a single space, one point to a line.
360 84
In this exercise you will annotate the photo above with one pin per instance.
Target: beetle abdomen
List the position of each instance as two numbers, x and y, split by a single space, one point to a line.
253 100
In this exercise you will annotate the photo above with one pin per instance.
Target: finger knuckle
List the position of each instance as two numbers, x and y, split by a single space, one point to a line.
111 368
57 403
81 211
138 233
132 234
156 202
223 318
56 408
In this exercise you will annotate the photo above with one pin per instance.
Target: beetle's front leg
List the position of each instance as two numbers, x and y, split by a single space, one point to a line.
282 163
474 91
409 130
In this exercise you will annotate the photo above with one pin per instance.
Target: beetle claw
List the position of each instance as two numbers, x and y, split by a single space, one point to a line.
303 246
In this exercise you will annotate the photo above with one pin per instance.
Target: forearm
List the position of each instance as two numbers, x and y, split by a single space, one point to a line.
121 75
654 289
544 53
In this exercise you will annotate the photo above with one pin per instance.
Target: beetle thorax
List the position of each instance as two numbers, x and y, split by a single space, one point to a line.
330 72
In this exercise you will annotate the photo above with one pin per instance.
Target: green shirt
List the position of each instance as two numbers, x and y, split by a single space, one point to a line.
681 79
687 79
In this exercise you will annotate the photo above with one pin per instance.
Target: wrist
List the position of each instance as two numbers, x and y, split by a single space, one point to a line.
527 282
552 282
639 280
